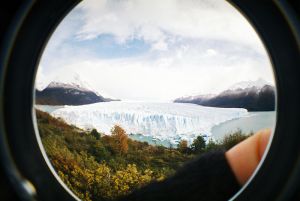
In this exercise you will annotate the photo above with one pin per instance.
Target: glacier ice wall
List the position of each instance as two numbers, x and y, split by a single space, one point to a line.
162 121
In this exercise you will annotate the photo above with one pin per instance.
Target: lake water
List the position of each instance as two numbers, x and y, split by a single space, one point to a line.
48 108
254 122
151 140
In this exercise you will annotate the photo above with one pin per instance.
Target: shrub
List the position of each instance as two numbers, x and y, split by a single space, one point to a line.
120 137
198 145
234 138
95 133
183 146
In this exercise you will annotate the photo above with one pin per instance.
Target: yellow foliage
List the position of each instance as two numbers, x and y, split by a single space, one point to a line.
103 182
120 139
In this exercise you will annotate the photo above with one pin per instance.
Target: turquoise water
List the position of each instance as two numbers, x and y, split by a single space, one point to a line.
151 140
254 122
48 108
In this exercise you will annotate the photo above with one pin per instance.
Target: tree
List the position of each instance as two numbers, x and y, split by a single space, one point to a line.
234 138
120 140
95 133
183 146
212 145
198 145
98 150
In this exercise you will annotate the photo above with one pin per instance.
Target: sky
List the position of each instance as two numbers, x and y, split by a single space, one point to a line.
142 50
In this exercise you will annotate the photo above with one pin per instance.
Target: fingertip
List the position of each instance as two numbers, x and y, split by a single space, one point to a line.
245 156
263 141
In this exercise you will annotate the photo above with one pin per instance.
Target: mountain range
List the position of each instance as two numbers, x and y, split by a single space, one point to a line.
59 93
252 95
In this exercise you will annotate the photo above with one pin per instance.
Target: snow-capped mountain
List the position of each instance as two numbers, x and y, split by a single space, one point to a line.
256 95
202 97
72 91
55 84
259 83
162 121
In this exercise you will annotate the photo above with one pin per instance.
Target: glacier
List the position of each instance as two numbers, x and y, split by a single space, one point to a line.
161 121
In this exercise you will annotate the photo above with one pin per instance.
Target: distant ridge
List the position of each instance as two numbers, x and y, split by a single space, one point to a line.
253 96
58 93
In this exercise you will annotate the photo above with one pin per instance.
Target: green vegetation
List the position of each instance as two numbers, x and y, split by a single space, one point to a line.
228 141
103 167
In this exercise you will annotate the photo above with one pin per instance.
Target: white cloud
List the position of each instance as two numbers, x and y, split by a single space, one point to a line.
159 21
164 79
211 52
196 47
42 80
